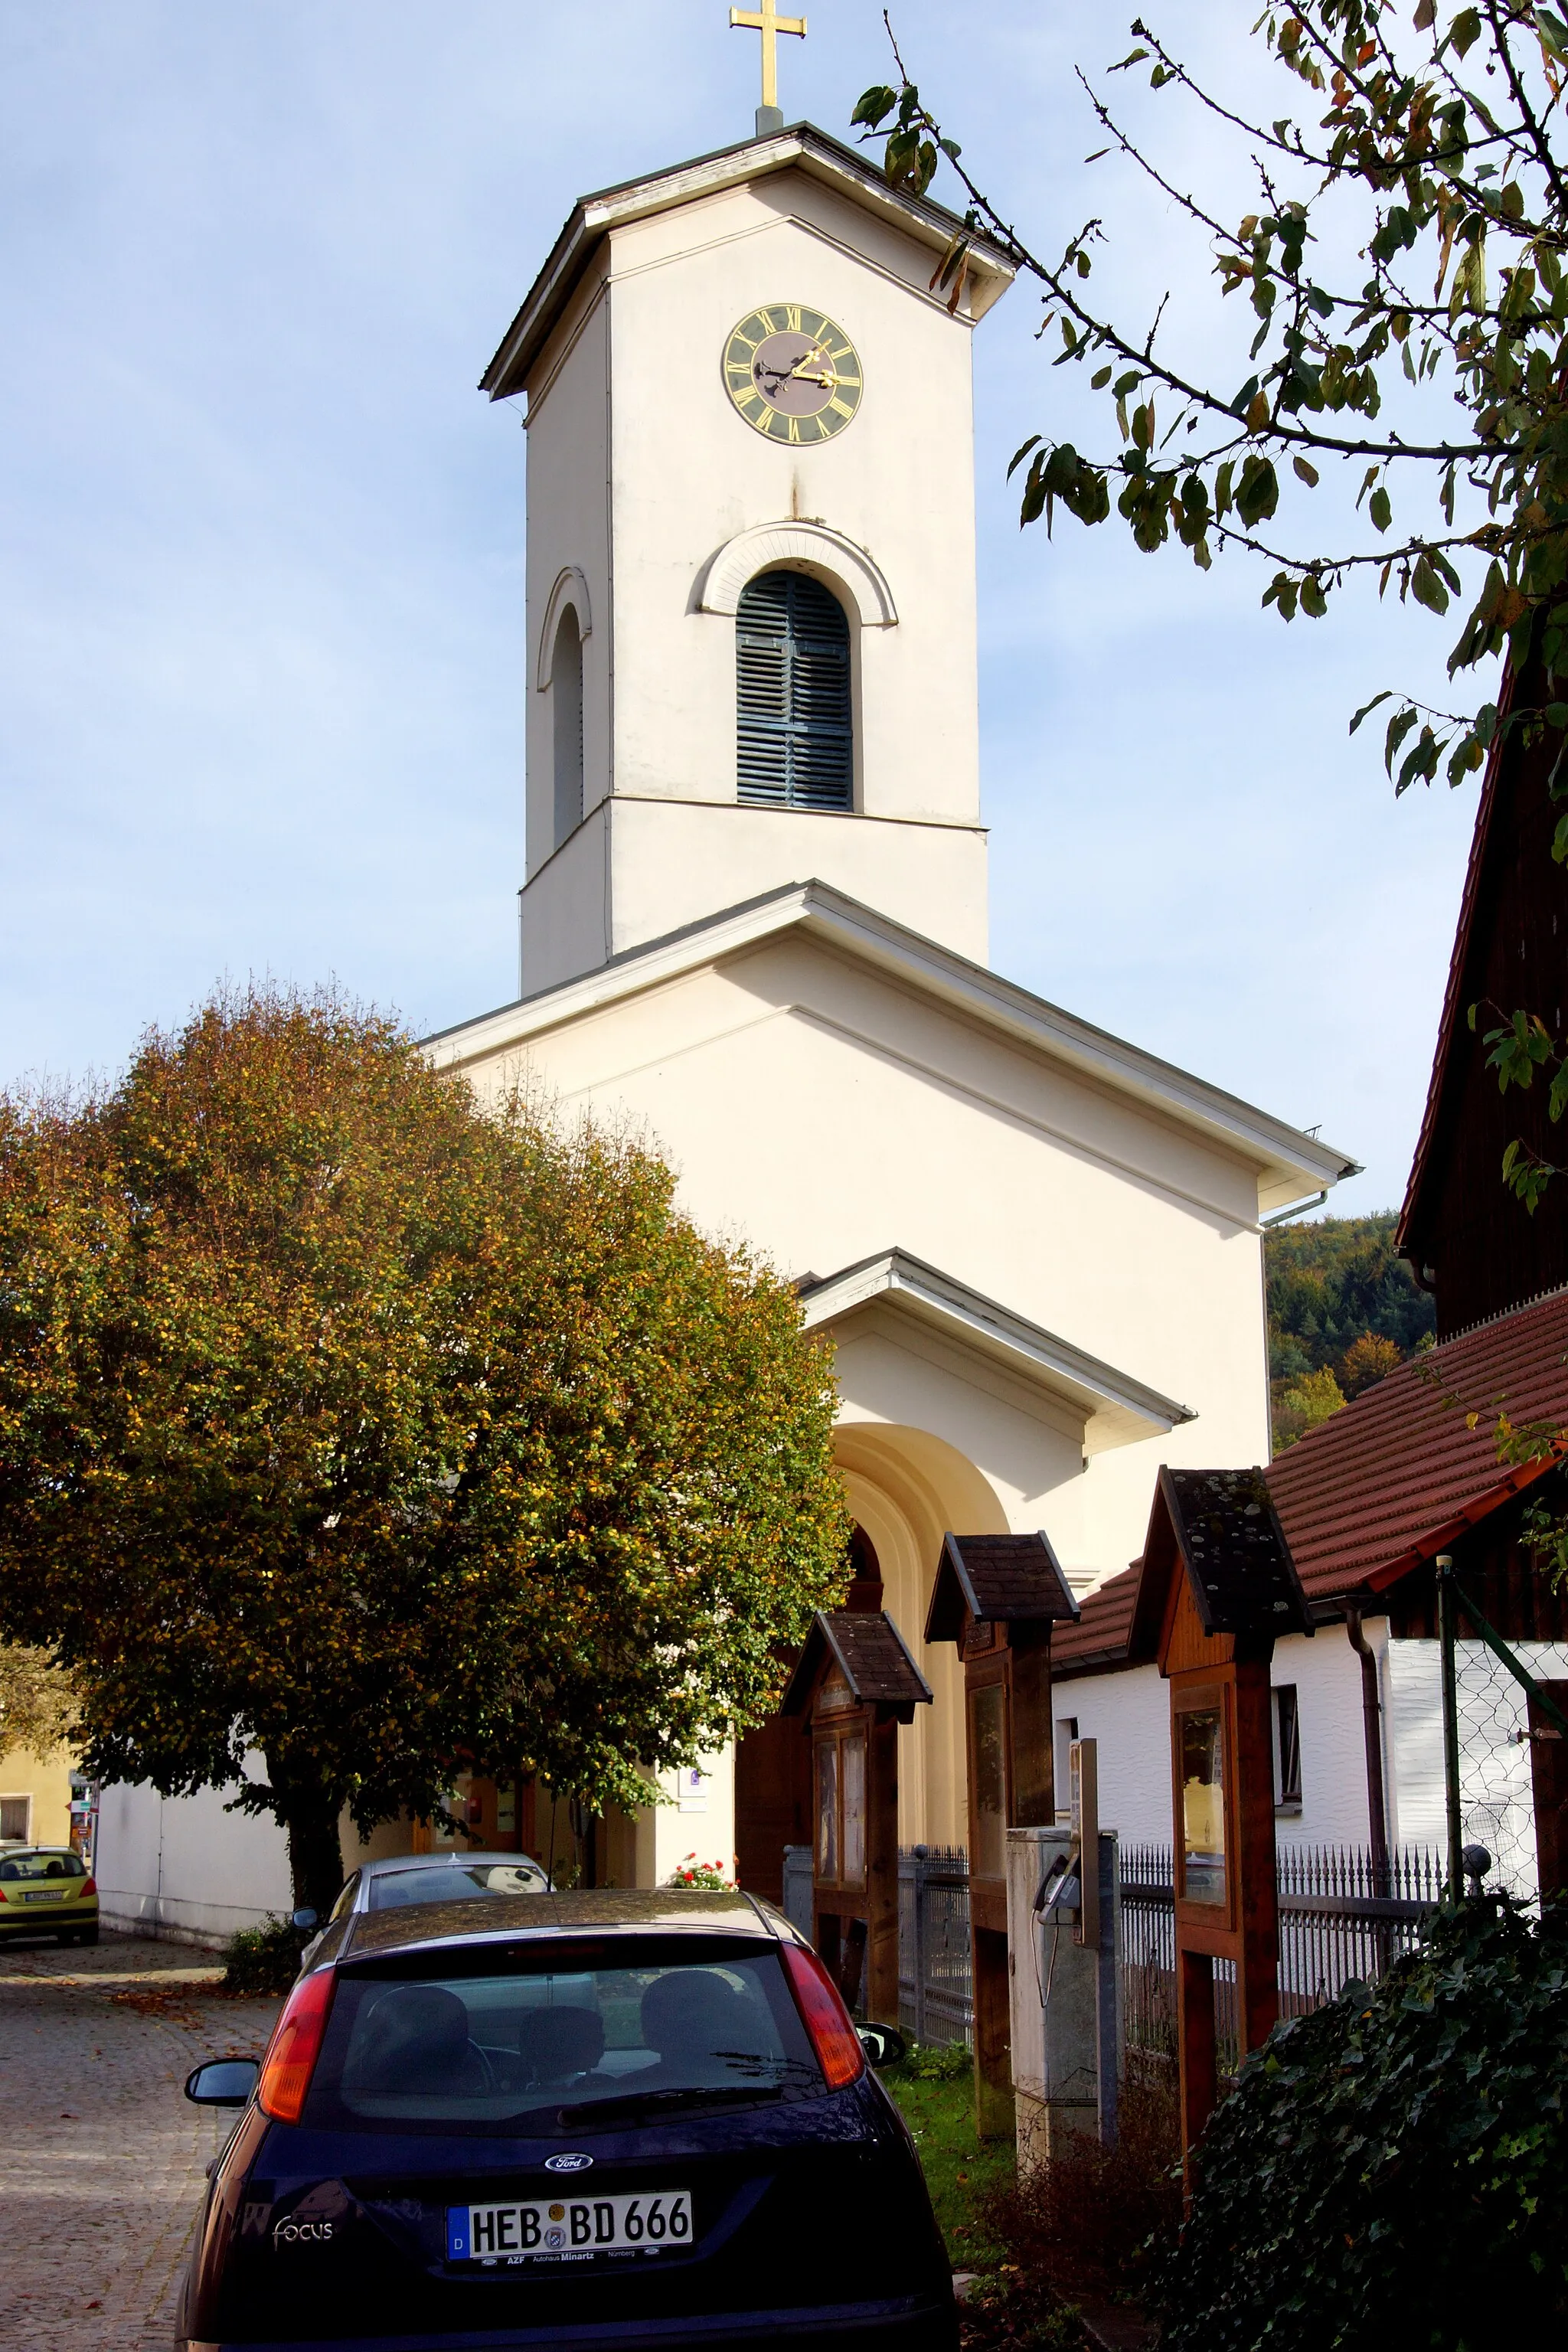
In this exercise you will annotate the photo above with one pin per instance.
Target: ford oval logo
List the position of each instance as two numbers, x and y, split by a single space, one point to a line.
575 2162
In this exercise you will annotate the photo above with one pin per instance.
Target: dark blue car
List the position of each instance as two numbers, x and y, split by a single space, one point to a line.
572 2120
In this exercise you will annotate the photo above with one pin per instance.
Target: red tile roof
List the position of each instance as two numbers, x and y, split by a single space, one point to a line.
1411 1463
1397 1477
1098 1638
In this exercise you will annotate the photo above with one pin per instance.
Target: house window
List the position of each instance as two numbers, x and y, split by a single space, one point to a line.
796 737
566 712
1287 1750
16 1819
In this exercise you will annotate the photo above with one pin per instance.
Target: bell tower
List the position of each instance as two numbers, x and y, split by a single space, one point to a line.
751 608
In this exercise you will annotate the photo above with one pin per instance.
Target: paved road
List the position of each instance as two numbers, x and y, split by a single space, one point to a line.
102 2162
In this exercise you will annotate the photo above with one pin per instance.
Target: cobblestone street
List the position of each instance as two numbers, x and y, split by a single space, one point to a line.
102 2162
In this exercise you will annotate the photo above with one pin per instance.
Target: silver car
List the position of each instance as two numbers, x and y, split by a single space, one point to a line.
404 1878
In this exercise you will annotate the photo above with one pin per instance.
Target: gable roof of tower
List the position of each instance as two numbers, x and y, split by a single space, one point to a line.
800 147
1289 1162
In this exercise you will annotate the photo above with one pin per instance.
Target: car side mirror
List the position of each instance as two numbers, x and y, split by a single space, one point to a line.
223 2083
884 2045
304 1918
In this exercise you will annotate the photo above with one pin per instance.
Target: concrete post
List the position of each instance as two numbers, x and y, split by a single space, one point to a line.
1065 2003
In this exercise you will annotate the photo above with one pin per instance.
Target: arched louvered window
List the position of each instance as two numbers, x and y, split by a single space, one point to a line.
566 713
796 741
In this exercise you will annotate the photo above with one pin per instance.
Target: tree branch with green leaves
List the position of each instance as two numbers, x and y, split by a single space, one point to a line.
1442 142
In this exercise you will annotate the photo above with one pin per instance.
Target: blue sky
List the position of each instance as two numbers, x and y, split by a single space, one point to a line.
261 542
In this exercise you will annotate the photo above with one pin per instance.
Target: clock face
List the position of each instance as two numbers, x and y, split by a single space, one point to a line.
792 373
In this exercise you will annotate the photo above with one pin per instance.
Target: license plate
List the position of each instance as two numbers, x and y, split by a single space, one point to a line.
569 2228
44 1895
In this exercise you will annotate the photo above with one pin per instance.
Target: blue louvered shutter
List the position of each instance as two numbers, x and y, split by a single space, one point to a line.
796 739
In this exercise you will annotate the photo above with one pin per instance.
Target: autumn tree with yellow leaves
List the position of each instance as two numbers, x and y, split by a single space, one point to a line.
353 1435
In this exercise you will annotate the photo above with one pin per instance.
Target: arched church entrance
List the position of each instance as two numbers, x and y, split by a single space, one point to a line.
906 1487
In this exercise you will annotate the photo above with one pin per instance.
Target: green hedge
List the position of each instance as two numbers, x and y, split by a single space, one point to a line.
1392 2171
265 1959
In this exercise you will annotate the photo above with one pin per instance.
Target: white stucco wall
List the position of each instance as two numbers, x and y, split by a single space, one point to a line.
827 1112
185 1866
1128 1714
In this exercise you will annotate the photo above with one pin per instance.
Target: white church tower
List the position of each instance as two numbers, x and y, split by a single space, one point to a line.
751 619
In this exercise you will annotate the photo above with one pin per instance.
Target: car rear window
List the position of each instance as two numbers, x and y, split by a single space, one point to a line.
41 1866
453 1882
610 2042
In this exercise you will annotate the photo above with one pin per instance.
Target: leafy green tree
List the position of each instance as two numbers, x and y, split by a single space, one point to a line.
1334 1285
348 1429
1402 313
37 1705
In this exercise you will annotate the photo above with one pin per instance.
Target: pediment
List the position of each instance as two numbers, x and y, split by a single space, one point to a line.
1110 1406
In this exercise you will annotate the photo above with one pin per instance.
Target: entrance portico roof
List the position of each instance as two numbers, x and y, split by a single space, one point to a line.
1114 1408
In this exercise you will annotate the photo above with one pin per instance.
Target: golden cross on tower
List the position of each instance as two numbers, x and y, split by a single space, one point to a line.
765 19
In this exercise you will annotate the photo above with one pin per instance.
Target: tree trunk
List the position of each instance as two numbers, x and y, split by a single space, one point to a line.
311 1818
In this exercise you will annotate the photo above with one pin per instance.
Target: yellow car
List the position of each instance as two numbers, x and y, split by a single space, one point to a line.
45 1890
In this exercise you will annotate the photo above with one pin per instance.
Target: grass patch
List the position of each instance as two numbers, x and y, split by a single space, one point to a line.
934 2090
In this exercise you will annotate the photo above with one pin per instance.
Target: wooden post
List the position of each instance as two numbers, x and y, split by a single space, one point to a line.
855 1682
882 1871
997 1597
1195 2045
1549 1783
1219 1580
1257 1953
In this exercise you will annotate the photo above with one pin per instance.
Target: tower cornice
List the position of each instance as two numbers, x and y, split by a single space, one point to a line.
800 147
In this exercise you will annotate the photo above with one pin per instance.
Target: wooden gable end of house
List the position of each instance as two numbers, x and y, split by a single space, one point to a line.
1467 1239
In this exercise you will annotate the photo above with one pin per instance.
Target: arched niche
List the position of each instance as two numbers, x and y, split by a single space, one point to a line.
810 546
571 588
907 1487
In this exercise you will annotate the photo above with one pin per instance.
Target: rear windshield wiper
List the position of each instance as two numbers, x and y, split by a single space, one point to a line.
639 2102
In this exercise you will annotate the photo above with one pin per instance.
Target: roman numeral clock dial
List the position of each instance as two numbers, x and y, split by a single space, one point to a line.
793 373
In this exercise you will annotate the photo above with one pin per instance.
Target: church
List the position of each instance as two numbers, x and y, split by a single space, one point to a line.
755 925
754 917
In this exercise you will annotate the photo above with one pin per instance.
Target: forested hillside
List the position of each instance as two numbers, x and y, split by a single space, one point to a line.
1343 1311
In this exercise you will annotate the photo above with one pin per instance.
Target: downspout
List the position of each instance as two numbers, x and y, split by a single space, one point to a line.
1371 1728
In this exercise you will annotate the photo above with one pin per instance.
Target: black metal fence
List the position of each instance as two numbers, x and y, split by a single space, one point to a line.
934 1995
1336 1921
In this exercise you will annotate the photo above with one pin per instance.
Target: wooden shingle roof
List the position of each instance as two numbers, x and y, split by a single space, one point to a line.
869 1652
1007 1577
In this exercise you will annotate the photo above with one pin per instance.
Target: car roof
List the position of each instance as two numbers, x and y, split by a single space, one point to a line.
515 1919
389 1862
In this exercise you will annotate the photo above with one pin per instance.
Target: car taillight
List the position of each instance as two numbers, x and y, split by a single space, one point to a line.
91 1888
825 2017
292 2052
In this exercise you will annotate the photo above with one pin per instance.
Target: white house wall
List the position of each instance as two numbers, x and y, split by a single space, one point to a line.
1128 1714
184 1866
